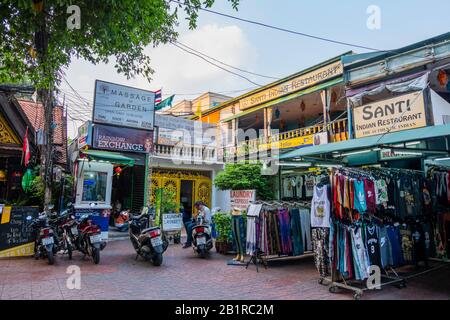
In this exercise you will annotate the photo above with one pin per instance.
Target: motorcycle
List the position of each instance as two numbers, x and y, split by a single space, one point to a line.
147 239
67 230
89 239
46 242
201 237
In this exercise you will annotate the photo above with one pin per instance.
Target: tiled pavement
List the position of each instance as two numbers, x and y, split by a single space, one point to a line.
184 275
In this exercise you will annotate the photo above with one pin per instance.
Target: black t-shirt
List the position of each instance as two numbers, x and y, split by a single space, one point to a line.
373 245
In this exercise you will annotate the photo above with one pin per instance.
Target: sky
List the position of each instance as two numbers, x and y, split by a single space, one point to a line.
264 51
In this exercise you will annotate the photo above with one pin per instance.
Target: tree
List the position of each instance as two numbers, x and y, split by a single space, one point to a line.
38 38
244 176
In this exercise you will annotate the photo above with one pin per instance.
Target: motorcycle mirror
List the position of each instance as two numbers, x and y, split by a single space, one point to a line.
29 218
92 204
50 206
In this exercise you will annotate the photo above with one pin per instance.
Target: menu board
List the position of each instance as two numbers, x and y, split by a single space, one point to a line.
14 229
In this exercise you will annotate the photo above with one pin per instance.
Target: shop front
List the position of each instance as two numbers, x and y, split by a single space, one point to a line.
111 172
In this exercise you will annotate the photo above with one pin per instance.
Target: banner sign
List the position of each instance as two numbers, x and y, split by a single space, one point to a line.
301 82
85 134
171 222
123 106
241 198
400 113
389 154
173 130
122 139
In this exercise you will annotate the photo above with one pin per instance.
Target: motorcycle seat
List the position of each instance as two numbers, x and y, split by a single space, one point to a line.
149 229
139 217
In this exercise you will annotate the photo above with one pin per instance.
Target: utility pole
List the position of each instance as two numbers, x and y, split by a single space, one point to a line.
46 96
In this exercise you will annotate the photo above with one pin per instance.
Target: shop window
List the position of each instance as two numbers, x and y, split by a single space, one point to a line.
94 186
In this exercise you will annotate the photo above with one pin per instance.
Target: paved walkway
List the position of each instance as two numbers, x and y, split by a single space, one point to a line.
183 275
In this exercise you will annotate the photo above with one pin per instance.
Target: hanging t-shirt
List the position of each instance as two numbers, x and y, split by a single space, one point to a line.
369 189
309 186
299 184
381 192
360 197
287 189
373 245
320 208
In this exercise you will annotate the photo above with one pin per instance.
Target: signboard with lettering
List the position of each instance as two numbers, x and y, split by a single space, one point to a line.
400 113
301 82
123 106
16 237
241 198
389 154
171 222
85 134
122 139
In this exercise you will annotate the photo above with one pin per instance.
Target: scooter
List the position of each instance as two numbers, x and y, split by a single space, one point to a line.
201 237
67 230
89 239
46 242
146 239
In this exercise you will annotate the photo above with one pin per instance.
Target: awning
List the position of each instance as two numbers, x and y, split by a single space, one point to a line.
113 157
367 142
287 98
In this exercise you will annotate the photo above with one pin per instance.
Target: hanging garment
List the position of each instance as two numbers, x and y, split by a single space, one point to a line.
381 192
369 189
296 232
401 202
309 186
287 190
320 238
305 217
284 227
299 186
396 245
385 248
238 232
407 245
320 208
360 257
251 244
360 197
418 238
373 245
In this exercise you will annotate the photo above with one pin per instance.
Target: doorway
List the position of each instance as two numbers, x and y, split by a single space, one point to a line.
186 193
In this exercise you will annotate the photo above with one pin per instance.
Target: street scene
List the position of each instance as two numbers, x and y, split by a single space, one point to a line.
224 150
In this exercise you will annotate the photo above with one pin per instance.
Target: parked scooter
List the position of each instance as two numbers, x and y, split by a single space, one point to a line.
67 230
147 239
89 240
201 237
46 242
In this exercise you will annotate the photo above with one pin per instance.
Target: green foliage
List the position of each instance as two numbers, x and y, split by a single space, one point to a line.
244 176
110 29
168 202
222 221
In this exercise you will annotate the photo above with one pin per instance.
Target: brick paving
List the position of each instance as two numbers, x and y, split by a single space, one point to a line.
184 275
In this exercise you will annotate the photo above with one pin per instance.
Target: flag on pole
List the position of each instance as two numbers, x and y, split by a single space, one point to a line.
166 103
158 96
26 153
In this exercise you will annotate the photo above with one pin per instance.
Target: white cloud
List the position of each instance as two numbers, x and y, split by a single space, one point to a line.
177 71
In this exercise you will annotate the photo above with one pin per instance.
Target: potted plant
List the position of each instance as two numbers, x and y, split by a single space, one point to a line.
222 221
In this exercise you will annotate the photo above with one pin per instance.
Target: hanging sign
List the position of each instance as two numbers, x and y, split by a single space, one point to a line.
122 139
171 222
241 199
389 154
123 106
298 83
85 134
396 114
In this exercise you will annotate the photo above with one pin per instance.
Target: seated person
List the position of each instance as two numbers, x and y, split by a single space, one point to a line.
204 210
121 222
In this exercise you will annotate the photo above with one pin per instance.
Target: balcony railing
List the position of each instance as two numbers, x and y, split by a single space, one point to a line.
190 153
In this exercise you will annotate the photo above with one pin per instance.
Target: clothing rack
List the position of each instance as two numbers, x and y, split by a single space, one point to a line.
259 257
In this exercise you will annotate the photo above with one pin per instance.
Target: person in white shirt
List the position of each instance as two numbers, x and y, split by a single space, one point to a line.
207 218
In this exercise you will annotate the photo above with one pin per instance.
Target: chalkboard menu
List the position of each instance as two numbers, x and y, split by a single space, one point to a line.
14 227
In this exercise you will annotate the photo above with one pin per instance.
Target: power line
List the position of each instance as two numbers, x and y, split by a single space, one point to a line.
225 64
216 65
282 29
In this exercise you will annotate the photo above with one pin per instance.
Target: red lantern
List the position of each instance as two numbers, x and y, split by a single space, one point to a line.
118 170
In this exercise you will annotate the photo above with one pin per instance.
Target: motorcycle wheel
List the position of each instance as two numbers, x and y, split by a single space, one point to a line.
157 259
69 251
96 255
50 257
203 253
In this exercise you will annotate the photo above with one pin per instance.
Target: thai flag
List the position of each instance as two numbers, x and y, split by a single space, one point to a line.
158 96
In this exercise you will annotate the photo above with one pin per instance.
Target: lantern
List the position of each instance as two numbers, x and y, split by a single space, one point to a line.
118 170
442 78
3 177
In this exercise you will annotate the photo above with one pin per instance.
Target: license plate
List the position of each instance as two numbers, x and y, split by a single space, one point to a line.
156 241
47 241
201 240
96 238
74 230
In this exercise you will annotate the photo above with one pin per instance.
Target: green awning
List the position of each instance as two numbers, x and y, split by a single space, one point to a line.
367 142
287 98
113 157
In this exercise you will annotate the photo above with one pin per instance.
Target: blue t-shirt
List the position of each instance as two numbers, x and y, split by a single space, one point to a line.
360 196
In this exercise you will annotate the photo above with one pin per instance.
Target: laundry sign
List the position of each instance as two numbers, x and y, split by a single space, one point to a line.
241 199
397 114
